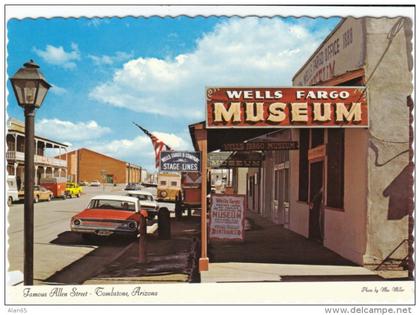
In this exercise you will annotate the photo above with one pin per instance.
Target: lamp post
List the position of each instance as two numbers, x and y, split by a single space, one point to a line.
30 88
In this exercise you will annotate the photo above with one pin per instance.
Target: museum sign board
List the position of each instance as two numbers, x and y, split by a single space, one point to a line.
227 217
286 107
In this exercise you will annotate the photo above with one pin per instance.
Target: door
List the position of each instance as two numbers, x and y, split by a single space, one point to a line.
286 205
277 190
109 179
316 178
281 194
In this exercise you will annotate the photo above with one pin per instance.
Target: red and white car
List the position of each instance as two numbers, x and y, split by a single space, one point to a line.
108 214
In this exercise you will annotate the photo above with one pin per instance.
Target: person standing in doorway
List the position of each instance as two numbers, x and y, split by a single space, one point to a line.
316 208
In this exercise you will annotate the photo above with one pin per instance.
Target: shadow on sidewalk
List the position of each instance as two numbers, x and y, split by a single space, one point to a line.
266 242
173 260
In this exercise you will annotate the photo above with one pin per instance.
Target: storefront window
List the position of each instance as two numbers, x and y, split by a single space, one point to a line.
335 168
303 164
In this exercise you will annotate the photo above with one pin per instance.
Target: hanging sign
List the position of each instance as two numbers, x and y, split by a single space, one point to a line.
287 107
180 161
317 153
232 160
260 146
227 217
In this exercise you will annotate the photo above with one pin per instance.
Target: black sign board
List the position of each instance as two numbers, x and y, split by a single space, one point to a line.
238 159
180 161
260 146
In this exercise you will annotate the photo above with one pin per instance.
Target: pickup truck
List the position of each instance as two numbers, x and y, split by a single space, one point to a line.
73 190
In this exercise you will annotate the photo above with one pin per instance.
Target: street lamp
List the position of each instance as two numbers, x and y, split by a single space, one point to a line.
30 88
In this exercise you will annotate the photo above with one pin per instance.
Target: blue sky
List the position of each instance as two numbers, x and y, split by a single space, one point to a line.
108 72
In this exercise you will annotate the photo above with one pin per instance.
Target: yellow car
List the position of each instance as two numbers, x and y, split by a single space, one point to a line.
40 193
73 190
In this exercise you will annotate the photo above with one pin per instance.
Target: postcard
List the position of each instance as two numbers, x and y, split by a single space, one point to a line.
209 155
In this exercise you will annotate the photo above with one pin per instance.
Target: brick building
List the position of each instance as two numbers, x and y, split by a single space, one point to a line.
88 165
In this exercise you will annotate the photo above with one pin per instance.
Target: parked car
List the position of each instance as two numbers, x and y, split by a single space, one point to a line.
73 190
84 183
95 183
42 193
133 186
12 190
147 202
108 214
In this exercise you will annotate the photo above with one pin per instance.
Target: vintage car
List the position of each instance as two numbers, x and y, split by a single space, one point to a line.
147 201
133 186
73 190
40 193
95 183
108 214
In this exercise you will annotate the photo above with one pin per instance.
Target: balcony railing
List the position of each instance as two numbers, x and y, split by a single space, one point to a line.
15 155
38 159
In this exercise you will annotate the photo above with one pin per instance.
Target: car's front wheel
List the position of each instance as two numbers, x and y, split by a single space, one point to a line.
9 201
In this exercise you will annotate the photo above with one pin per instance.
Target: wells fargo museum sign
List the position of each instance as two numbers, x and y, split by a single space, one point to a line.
286 107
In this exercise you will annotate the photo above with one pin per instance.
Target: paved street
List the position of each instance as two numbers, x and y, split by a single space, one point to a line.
55 247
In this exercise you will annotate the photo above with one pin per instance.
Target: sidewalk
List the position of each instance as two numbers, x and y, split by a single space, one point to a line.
273 253
168 261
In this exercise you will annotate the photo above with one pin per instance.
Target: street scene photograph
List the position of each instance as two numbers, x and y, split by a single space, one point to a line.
155 157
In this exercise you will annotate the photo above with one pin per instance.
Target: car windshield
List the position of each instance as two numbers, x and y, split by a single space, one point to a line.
143 197
112 205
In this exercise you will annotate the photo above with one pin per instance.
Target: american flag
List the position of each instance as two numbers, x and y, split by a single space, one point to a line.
158 144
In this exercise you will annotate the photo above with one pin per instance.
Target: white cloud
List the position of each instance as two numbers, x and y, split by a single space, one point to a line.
67 131
240 51
139 150
58 56
119 56
58 90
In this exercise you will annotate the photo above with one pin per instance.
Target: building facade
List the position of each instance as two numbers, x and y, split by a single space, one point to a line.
364 174
45 166
88 165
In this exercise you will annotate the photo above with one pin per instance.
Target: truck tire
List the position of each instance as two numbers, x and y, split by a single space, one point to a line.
164 224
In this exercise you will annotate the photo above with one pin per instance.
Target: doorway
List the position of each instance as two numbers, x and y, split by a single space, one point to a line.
316 222
281 194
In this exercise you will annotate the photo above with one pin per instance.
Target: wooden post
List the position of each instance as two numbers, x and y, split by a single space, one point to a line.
201 136
142 239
